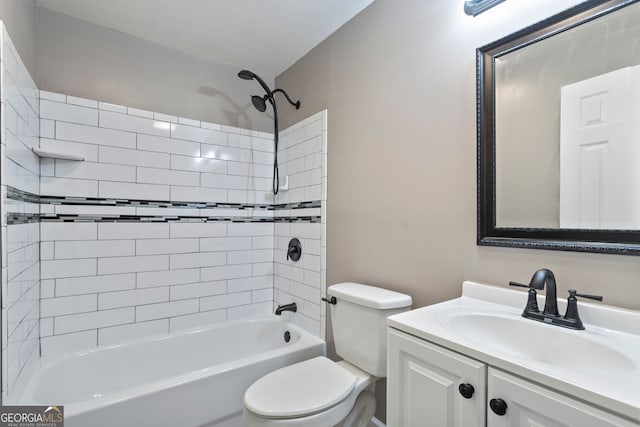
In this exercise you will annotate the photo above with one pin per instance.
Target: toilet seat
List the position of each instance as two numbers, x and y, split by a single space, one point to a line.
300 390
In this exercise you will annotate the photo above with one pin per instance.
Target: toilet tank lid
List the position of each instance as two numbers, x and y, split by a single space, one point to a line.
369 296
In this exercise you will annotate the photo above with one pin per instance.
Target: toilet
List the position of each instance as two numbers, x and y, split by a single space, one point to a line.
320 392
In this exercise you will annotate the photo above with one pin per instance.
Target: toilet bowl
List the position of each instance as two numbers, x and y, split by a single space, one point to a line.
320 392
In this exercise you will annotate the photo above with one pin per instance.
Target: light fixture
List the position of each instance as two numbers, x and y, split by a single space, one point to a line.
476 7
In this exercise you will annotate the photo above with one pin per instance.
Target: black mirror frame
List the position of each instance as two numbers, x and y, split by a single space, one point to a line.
623 242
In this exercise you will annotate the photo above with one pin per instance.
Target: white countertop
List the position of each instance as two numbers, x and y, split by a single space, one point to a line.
613 388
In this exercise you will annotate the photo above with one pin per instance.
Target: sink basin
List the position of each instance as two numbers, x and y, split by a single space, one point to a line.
528 339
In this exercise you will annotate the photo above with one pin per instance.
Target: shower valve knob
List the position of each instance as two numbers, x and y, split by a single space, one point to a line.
294 251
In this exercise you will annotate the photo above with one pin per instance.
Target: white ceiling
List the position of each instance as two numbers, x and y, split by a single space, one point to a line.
265 36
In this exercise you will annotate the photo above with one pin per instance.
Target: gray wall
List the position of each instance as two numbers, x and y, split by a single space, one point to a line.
86 60
399 84
20 18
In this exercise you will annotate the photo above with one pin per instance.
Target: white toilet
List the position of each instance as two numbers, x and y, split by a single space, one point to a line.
322 393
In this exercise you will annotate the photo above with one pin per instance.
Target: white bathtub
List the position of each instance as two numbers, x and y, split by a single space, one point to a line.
188 379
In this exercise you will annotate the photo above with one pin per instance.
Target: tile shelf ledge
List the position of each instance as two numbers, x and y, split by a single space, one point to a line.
51 154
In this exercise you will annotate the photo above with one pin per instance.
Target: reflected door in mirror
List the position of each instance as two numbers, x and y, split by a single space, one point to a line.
600 152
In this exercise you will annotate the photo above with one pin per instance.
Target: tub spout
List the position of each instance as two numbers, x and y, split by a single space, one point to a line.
287 307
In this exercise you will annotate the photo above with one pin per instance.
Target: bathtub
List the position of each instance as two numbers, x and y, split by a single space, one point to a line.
194 378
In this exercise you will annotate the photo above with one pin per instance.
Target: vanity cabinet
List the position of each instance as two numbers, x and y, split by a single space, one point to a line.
529 404
423 389
423 381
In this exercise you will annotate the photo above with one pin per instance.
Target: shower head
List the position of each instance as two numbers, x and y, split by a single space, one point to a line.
250 75
246 75
259 102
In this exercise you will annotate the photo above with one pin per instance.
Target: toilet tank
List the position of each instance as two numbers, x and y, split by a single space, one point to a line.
359 323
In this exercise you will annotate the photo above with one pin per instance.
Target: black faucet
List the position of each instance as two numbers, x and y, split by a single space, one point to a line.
539 279
287 307
550 313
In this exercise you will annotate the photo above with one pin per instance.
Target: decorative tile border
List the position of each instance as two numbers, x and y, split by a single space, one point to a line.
23 196
23 218
17 218
20 218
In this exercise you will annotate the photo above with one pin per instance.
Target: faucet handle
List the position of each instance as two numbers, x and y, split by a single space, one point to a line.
520 285
571 314
573 293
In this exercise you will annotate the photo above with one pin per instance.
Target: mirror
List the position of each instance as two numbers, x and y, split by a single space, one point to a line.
559 132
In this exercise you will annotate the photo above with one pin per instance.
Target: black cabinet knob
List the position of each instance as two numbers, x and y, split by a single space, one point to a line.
498 406
466 390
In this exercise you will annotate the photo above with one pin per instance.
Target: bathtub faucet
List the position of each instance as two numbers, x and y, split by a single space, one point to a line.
287 307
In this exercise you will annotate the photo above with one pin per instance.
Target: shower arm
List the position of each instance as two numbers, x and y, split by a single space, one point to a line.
295 104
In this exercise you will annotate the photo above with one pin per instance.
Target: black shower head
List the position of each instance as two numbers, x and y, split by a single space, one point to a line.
246 75
250 75
259 102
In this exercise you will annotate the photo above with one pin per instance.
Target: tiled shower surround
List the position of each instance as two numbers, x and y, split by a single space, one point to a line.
168 223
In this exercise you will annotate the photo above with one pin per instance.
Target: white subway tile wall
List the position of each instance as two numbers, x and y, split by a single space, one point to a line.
134 154
20 169
108 282
302 149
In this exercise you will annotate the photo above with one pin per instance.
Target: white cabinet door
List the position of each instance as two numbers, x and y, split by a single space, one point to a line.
529 405
423 385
